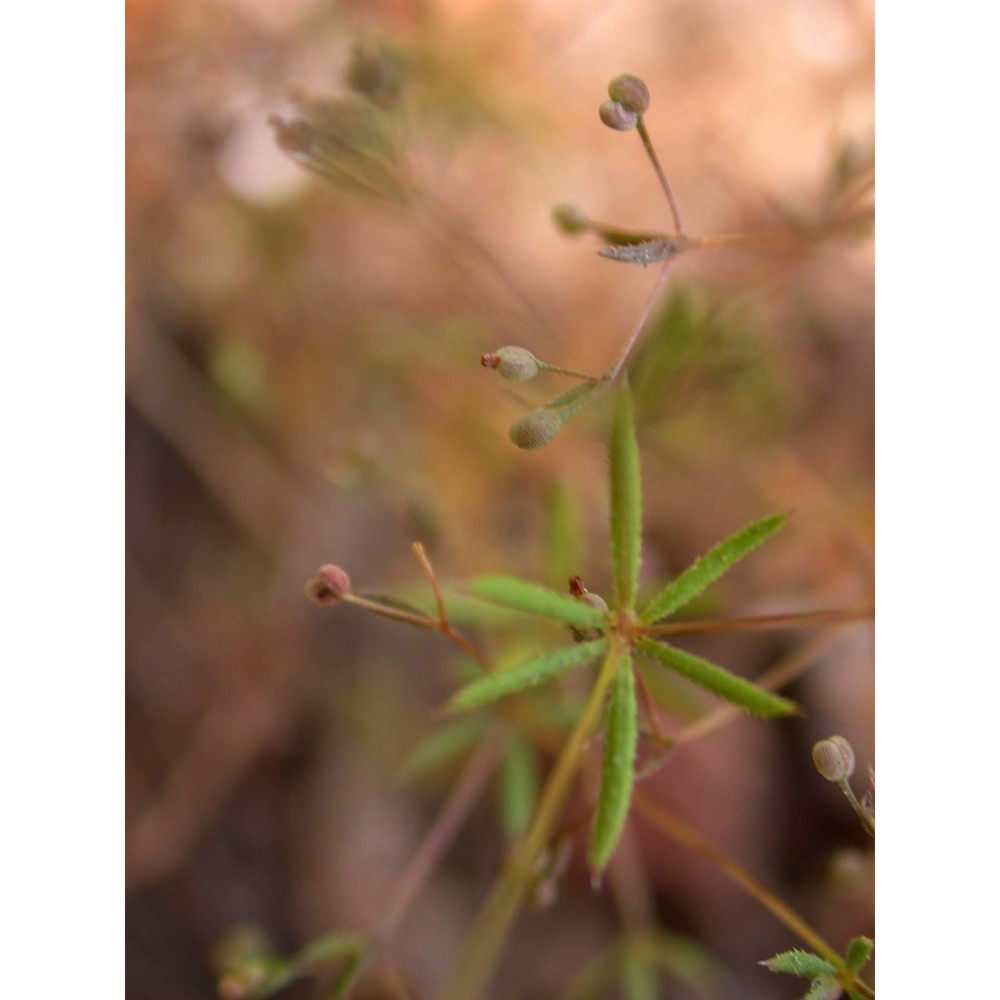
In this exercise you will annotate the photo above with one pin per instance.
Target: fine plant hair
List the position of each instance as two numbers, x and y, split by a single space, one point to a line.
504 714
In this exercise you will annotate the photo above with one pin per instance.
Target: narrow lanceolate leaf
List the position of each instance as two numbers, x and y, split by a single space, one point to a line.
799 963
626 503
722 683
529 674
518 786
512 592
859 950
618 772
709 568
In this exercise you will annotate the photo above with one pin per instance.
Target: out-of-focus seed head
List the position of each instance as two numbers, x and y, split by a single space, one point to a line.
834 758
377 71
329 585
535 430
617 116
630 92
571 219
350 141
514 363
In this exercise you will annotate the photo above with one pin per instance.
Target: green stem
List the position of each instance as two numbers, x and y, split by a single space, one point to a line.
664 183
484 942
867 819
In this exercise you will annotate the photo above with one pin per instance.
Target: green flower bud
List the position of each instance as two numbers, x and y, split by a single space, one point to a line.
834 758
538 428
328 586
514 363
570 219
617 116
630 92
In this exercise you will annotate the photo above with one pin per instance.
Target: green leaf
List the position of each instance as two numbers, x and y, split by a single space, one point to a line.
518 786
329 948
721 683
576 398
859 951
856 994
824 988
618 771
626 503
799 963
536 671
709 568
513 592
446 743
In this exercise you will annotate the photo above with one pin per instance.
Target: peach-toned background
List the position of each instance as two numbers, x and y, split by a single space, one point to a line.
303 386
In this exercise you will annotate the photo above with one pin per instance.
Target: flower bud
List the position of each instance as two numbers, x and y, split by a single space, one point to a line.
617 116
329 585
538 428
834 758
630 92
571 219
514 363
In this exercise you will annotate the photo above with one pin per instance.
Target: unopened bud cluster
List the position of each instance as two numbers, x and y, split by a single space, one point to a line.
629 98
330 585
834 758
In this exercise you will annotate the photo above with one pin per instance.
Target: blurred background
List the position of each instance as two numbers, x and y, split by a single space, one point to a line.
303 386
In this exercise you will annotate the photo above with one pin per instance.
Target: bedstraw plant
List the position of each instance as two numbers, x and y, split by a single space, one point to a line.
503 717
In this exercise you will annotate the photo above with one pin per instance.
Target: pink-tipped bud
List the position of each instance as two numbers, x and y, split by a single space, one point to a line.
328 586
630 92
538 428
617 116
834 758
514 363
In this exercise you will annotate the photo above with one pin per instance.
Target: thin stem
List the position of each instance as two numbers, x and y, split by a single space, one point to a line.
388 611
634 335
439 837
649 707
425 564
664 183
556 370
481 951
804 619
421 621
867 819
678 830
